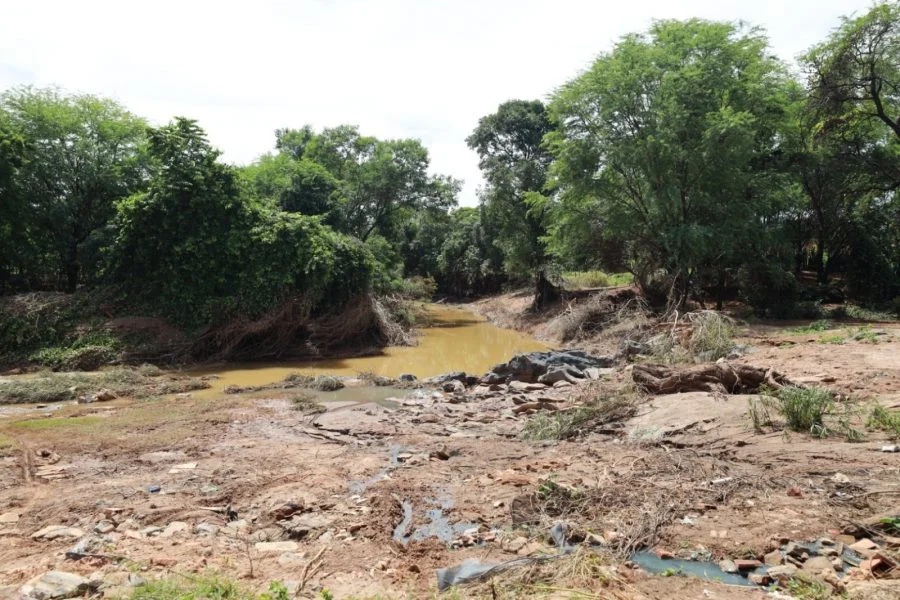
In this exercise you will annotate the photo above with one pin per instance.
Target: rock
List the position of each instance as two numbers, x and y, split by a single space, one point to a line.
173 528
865 547
796 550
104 527
57 584
728 566
840 478
773 558
127 525
286 510
890 448
182 468
531 548
454 387
760 578
163 561
663 554
817 564
521 386
782 573
529 367
747 564
9 518
407 378
53 532
557 375
445 378
206 529
276 547
873 590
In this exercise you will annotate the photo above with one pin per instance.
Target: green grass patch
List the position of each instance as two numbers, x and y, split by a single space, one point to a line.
7 445
814 327
210 587
595 279
804 410
884 420
58 423
62 387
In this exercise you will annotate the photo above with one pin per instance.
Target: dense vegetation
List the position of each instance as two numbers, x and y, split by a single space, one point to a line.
687 156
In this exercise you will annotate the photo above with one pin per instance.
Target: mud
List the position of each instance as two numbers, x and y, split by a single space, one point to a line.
372 498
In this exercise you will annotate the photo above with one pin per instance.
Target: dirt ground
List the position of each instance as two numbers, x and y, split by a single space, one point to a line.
251 488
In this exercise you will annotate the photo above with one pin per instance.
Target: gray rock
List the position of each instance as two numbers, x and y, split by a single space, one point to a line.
206 529
728 566
442 379
530 367
104 527
453 387
407 378
557 375
521 386
57 584
276 547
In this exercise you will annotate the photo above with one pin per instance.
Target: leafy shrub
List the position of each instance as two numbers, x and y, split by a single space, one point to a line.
769 289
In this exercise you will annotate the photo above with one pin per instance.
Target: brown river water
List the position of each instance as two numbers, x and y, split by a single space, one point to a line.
457 340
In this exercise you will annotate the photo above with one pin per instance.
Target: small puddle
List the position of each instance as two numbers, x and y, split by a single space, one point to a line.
457 340
695 568
438 525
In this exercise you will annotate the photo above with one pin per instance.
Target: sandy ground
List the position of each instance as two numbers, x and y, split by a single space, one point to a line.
251 488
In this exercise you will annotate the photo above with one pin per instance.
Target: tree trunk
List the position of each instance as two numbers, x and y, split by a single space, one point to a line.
723 378
720 290
821 271
70 267
546 292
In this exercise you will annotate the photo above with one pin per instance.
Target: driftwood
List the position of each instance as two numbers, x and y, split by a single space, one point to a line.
722 377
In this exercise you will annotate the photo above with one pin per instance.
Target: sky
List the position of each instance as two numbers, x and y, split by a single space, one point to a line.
426 69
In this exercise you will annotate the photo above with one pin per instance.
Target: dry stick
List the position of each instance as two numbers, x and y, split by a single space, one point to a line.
306 568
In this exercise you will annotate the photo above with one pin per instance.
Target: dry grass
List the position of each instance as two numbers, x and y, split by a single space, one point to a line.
596 405
701 336
601 315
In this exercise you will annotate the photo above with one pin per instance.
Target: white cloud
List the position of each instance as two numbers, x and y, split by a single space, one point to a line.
396 68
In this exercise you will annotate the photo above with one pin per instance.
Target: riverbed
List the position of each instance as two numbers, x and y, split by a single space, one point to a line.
455 340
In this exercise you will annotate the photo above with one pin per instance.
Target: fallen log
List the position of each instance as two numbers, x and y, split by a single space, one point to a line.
721 377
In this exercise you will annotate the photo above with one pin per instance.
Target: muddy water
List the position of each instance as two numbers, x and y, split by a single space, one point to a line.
458 340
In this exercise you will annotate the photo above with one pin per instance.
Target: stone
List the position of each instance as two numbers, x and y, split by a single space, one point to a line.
127 524
747 564
562 384
840 478
206 529
728 566
9 518
104 527
454 387
173 528
782 573
663 554
407 378
817 564
276 547
773 558
760 578
57 584
864 547
163 561
446 377
521 386
182 468
531 366
53 532
557 375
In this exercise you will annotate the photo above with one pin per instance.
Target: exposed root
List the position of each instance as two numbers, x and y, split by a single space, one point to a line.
722 377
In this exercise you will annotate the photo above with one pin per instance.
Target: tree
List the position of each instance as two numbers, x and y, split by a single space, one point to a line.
664 144
855 74
12 207
83 154
514 164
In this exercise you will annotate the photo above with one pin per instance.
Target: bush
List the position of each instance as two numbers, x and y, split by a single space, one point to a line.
769 289
804 409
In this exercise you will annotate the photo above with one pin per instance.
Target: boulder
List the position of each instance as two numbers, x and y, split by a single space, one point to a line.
453 386
407 378
446 377
57 584
560 375
52 532
531 366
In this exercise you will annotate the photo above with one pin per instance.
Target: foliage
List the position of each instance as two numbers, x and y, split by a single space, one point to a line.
655 142
213 254
597 408
595 279
514 164
804 409
80 154
885 420
206 587
306 403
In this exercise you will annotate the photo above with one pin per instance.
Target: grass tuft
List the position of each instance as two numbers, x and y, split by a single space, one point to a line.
597 408
306 403
885 420
595 279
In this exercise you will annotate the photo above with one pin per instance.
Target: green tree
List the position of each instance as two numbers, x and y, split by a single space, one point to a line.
465 265
514 164
12 207
664 144
83 154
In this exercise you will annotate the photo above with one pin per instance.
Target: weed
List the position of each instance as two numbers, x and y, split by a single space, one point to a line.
804 409
762 411
595 410
595 279
836 339
891 524
207 587
814 327
323 383
885 420
808 589
61 387
864 334
306 403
